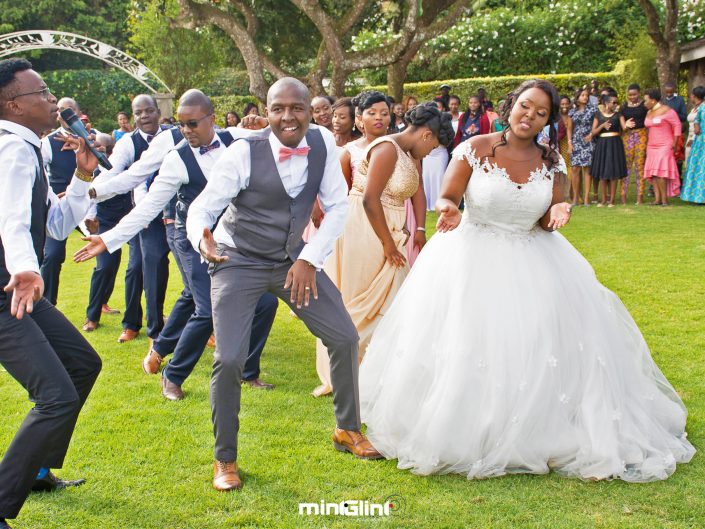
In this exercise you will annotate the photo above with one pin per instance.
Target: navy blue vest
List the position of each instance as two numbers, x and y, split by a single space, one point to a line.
38 224
62 166
196 179
141 145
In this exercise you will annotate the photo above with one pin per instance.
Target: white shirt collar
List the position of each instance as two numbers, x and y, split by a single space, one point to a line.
197 150
276 144
22 131
145 135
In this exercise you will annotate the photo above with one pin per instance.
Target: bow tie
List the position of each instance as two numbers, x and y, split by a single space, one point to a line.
204 150
285 152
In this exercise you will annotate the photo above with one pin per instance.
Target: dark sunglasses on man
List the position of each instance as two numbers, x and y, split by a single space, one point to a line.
191 123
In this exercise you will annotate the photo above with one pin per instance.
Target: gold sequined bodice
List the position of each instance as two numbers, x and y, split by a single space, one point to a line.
401 185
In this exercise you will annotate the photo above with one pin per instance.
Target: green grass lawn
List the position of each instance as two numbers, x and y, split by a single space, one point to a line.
148 461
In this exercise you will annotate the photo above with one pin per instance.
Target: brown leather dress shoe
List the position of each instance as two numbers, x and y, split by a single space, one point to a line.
171 391
355 443
127 335
152 362
90 326
211 341
105 309
256 383
226 476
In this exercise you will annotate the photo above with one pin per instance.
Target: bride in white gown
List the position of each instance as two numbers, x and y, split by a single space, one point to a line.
496 374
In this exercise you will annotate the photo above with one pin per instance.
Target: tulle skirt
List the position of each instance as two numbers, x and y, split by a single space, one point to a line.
502 353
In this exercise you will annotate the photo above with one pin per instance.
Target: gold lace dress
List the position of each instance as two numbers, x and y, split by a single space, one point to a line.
357 266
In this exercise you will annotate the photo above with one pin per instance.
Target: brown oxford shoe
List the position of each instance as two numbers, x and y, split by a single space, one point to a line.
256 383
171 391
152 362
105 309
355 443
226 476
127 335
90 326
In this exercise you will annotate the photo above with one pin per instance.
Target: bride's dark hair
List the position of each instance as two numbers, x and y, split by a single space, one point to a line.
550 153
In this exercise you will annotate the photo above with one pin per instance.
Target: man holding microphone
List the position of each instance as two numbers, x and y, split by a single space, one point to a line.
39 347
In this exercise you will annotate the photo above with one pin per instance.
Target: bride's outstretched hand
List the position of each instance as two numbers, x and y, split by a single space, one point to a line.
449 218
560 215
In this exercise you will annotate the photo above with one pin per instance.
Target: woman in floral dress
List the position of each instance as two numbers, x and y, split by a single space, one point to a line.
581 158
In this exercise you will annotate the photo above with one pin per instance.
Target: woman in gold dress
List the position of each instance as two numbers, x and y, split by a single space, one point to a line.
368 263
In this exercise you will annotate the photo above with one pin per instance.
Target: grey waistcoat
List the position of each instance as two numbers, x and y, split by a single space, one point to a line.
263 220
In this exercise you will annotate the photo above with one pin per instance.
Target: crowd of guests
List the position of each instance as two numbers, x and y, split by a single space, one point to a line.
650 139
325 198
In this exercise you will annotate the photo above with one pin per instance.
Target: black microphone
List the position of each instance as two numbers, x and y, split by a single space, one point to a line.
76 126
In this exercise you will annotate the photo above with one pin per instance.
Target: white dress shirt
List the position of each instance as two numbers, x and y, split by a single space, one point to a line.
19 169
47 153
124 176
231 175
172 175
127 179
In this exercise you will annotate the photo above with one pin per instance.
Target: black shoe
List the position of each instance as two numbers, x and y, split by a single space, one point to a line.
51 483
4 524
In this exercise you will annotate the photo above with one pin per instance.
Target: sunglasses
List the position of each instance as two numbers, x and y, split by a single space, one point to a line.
44 92
191 123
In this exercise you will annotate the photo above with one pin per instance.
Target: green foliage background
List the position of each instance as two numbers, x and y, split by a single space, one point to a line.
502 43
100 93
102 20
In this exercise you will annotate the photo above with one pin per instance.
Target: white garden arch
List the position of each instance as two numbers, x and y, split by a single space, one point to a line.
11 43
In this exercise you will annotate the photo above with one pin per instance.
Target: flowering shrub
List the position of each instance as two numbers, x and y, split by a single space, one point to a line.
691 20
559 37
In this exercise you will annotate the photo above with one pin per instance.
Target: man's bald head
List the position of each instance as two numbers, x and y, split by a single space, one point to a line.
106 141
67 102
63 104
286 84
146 113
144 99
196 98
289 110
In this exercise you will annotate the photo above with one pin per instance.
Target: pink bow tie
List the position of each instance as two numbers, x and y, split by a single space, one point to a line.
285 152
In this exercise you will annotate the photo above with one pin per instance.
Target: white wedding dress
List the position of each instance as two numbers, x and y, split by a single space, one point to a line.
502 353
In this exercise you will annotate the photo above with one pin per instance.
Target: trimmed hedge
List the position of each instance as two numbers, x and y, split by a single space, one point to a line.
498 87
224 104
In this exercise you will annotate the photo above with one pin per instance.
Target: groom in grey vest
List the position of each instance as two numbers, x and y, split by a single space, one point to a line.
269 186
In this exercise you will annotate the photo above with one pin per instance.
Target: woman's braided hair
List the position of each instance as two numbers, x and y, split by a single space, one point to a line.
428 115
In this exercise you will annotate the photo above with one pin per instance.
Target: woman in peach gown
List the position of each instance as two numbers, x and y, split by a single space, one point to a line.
369 263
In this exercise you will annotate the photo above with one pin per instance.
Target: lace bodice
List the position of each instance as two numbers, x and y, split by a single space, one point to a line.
492 199
401 185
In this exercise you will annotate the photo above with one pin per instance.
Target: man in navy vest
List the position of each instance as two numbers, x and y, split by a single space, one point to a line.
269 186
60 165
184 174
38 346
148 265
108 214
